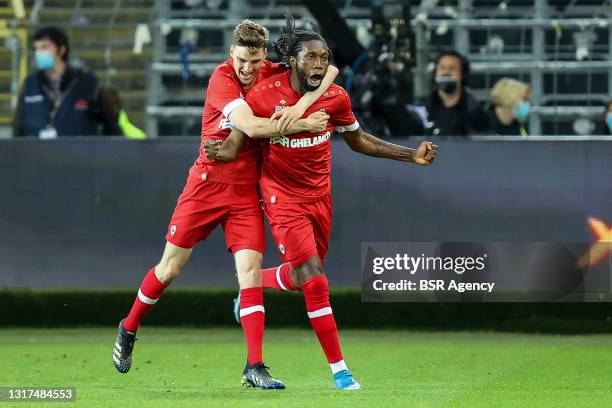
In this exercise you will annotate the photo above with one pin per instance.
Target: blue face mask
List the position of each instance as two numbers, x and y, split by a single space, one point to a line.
521 111
44 60
609 121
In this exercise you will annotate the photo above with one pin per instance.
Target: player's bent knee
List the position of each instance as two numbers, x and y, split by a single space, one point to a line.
309 269
319 285
172 262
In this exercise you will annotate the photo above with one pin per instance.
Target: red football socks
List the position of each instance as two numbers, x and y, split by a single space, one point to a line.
316 295
150 290
252 317
278 278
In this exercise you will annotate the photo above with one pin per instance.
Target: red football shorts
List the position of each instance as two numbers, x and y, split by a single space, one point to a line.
301 230
204 205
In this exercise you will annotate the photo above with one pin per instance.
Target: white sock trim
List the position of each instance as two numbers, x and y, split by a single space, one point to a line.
278 278
143 298
321 312
252 309
337 367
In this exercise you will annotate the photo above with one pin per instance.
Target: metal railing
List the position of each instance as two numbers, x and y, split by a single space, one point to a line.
167 61
533 63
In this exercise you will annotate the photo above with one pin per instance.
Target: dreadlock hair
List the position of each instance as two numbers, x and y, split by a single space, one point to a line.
290 41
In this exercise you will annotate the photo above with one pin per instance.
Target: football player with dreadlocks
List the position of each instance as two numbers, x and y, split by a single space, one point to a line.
295 182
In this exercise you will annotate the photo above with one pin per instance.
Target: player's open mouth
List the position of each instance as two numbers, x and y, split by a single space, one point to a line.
246 77
315 79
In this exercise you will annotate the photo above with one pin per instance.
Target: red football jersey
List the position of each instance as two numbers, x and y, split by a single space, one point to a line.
225 93
297 168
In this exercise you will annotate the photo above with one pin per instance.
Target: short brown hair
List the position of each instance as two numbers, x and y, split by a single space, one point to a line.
252 35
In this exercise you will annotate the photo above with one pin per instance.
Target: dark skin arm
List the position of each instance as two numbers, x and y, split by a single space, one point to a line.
227 150
362 142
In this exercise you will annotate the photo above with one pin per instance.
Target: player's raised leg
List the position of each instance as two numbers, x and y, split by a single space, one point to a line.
151 288
279 278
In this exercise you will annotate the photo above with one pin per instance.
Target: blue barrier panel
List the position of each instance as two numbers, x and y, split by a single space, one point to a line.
93 213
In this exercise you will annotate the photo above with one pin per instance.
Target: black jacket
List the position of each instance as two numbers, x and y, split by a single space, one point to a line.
77 111
463 119
497 128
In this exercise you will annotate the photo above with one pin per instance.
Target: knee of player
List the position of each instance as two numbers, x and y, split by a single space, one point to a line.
249 271
167 271
309 270
316 284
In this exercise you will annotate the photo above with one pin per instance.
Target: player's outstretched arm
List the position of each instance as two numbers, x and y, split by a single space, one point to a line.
362 142
288 116
243 118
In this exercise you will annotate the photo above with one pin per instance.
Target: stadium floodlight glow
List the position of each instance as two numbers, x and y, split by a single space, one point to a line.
602 245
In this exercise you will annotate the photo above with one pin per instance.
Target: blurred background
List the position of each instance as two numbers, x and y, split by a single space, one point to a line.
529 161
159 54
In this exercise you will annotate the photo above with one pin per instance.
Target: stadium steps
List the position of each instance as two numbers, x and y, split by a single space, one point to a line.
5 108
5 98
124 80
85 4
5 59
6 114
103 42
61 15
5 80
96 59
6 12
92 38
169 106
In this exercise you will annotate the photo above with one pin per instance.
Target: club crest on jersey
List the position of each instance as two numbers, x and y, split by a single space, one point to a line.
284 141
225 124
281 106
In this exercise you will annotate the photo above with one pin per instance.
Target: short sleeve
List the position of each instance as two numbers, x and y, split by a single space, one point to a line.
343 118
223 93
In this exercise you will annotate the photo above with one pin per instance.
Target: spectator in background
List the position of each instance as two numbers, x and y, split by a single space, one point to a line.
509 107
449 108
60 100
605 127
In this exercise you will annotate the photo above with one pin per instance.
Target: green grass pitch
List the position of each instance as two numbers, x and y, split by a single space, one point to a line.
201 368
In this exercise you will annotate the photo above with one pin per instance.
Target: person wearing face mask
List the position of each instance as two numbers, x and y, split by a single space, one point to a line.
60 100
510 107
449 108
605 128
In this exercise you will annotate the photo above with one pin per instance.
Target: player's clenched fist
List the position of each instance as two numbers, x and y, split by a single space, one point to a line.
318 121
287 117
211 148
425 153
